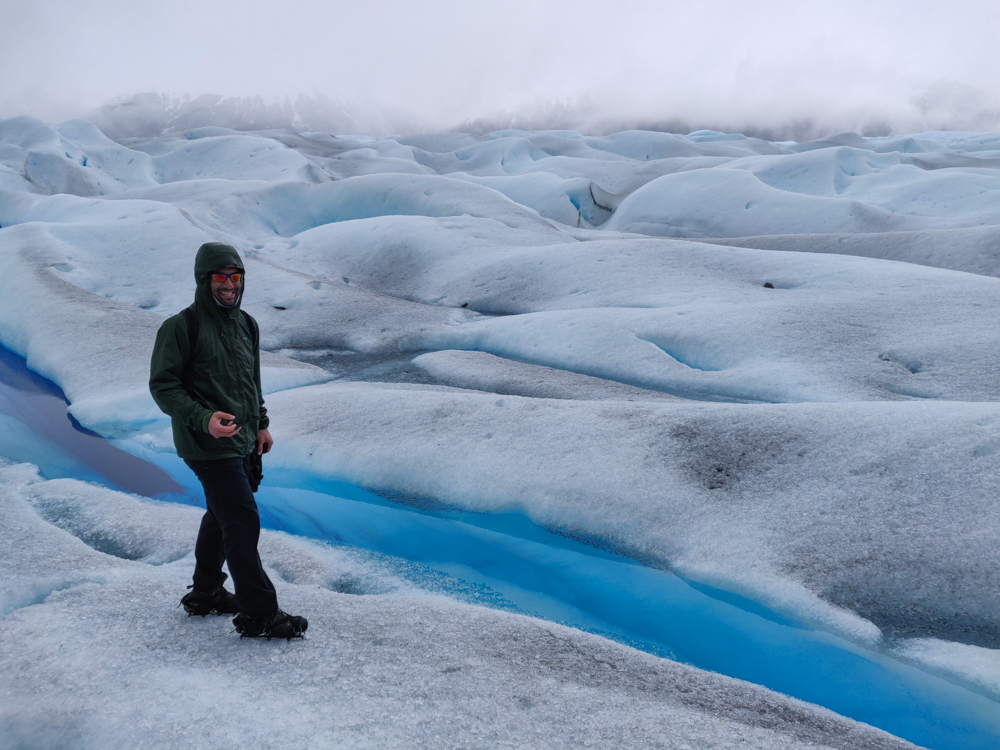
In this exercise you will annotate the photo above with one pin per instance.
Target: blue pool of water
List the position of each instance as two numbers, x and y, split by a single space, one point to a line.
535 571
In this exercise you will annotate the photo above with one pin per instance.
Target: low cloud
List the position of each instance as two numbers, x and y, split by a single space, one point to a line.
778 69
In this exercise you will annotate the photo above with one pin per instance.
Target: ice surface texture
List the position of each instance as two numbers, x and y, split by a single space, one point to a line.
504 561
701 350
97 654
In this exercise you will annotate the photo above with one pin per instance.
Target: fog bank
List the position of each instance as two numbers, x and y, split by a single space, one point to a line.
778 69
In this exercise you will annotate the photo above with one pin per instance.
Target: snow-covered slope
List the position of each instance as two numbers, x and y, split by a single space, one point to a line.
770 367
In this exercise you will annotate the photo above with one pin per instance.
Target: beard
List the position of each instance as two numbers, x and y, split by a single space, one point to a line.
228 306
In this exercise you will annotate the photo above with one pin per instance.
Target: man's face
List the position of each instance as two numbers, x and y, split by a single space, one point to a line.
227 291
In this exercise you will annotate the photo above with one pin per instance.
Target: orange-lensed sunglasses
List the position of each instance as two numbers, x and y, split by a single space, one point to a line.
236 276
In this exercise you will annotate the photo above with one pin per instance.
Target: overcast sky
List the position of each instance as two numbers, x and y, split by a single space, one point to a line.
737 63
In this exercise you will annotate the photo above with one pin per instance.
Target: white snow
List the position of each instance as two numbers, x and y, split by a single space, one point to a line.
574 327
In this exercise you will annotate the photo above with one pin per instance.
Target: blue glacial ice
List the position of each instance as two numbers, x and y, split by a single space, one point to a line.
521 566
769 368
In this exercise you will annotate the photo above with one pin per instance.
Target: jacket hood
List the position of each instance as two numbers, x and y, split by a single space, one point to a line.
211 257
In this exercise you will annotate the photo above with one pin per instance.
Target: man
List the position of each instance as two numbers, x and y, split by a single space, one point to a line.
205 373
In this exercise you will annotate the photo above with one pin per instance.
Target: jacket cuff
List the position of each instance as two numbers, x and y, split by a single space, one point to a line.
263 423
205 420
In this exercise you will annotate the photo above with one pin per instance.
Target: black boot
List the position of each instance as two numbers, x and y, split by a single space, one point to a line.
278 624
218 602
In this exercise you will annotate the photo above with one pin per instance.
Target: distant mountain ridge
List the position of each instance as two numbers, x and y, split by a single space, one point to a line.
151 114
944 105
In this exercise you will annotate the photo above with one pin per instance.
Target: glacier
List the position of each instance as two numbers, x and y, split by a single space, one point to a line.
767 368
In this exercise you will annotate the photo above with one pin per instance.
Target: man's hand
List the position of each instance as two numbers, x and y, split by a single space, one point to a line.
218 430
264 441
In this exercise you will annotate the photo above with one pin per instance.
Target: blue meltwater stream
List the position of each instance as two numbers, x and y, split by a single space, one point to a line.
539 573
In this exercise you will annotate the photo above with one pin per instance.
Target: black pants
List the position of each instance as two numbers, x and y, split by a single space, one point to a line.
229 532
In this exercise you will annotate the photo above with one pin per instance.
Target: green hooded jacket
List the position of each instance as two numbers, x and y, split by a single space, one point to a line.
224 372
